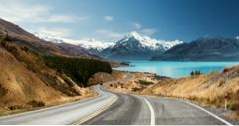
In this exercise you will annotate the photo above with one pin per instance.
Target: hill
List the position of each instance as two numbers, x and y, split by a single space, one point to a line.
204 49
209 90
36 73
22 37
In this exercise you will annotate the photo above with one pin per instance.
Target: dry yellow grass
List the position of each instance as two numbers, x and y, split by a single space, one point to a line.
206 89
25 81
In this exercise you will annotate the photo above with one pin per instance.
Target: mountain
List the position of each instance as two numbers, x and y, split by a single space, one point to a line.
85 43
137 46
22 37
91 45
35 72
204 49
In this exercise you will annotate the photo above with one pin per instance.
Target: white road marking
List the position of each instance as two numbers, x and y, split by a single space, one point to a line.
79 122
213 115
152 114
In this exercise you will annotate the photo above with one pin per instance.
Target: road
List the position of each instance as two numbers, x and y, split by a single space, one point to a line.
129 109
116 108
71 113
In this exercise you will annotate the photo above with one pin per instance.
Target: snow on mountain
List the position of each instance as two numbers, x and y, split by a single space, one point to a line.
147 42
133 45
138 46
85 43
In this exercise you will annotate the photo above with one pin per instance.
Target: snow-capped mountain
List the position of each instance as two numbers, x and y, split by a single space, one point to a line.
137 46
131 46
147 42
85 43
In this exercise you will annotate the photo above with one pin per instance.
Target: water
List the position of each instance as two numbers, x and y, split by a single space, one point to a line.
175 69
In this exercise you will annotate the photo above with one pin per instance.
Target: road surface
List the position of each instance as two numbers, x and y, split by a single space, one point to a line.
112 108
71 113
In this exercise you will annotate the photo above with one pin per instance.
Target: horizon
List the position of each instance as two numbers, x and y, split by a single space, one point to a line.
106 20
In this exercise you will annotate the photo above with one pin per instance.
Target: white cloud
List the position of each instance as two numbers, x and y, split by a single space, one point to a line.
237 37
65 18
20 11
109 18
137 26
109 34
54 32
148 31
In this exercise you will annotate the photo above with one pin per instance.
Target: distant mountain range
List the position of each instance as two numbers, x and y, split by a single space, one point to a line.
203 49
131 46
137 46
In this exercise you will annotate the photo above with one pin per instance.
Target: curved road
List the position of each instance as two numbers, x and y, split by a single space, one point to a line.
111 108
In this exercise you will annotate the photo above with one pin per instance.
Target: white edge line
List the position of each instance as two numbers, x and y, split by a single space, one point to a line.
92 115
152 114
213 115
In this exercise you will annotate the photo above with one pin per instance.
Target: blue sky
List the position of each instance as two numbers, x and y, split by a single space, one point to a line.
109 20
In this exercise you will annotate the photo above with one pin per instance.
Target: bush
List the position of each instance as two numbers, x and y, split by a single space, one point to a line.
35 103
3 35
15 107
145 82
233 105
196 72
79 69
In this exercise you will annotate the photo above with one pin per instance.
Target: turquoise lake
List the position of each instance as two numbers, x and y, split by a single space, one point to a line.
175 69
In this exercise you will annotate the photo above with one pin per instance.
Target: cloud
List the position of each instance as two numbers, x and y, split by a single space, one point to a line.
109 18
148 31
137 26
237 37
65 18
54 32
109 34
20 11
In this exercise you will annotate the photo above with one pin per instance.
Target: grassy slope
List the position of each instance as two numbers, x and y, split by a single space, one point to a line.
207 89
26 81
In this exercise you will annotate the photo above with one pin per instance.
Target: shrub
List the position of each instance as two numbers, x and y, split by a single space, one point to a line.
196 72
135 89
145 82
35 103
15 107
3 35
232 105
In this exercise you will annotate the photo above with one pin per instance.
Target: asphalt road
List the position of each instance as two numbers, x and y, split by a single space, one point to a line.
71 113
111 108
134 110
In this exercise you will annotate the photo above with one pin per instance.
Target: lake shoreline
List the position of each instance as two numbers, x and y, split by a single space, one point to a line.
175 69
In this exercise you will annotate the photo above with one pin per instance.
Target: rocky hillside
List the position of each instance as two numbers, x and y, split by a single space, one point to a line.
205 49
25 81
22 37
34 72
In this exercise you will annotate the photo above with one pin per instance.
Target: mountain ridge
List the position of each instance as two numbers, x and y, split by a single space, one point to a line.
22 37
137 46
203 49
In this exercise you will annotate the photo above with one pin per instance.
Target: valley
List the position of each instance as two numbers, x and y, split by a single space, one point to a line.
124 63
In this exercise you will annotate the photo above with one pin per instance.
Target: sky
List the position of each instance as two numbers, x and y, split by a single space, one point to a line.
110 20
